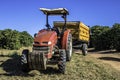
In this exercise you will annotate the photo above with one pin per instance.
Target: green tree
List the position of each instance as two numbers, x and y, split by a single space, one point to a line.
99 37
9 39
12 39
25 39
15 43
1 36
116 36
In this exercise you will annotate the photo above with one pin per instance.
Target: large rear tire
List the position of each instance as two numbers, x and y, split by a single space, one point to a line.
24 61
69 48
84 49
62 61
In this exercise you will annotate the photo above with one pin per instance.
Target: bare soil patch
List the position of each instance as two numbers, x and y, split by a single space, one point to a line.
107 56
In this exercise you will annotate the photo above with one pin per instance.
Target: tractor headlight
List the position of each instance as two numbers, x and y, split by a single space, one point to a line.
49 42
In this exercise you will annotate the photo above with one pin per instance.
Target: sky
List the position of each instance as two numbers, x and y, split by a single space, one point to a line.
24 15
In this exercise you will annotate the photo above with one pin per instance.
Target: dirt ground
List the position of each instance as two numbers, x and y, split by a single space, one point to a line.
108 56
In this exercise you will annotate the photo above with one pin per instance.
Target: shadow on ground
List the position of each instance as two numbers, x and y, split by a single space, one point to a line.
110 58
50 70
12 67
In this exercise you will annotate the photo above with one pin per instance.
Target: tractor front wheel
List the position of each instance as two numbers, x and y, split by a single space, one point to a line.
62 61
24 60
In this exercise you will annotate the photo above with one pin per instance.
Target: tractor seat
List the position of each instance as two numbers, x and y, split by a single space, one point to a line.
58 31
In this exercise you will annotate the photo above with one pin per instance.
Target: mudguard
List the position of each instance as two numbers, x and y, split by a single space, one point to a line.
65 39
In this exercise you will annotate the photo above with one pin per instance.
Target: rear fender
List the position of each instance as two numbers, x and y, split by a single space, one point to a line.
65 39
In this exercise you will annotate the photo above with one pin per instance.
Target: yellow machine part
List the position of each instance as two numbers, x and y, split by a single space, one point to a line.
78 29
83 32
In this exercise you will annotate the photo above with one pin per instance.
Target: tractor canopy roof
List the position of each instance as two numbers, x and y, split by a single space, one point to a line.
58 11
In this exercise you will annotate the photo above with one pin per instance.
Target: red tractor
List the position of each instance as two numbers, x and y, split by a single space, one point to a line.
51 45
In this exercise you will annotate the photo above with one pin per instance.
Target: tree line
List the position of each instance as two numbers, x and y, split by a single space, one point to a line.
102 38
13 39
105 37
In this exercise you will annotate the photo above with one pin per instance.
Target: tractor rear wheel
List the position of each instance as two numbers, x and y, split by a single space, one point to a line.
69 48
84 49
24 60
62 61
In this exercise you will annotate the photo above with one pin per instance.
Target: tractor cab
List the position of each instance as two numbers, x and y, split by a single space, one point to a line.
58 12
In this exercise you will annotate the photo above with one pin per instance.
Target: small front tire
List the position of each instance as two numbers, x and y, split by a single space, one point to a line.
24 60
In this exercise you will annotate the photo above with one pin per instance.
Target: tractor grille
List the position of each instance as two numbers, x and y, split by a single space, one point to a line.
42 48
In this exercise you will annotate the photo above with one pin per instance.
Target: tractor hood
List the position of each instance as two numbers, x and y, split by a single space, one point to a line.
45 38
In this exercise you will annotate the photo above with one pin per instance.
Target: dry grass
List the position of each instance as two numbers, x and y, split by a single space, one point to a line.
79 68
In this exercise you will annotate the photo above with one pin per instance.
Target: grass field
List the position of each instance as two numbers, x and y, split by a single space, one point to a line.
79 68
